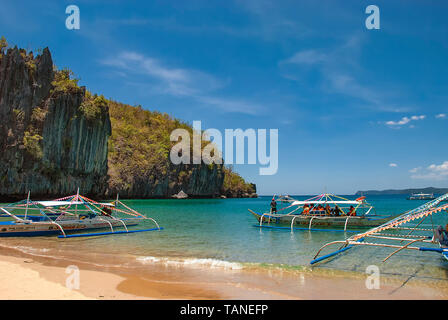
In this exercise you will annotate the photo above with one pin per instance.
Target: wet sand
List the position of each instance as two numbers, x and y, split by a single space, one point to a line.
27 276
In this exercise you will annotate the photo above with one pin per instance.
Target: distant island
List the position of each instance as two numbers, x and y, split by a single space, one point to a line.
404 191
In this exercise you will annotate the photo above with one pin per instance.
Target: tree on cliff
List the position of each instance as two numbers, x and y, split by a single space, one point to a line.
3 45
234 185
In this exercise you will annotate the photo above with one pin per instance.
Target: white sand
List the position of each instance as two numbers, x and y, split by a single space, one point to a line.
26 278
17 282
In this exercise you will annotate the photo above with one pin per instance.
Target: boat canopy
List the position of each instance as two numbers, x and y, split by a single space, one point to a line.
301 203
327 198
55 203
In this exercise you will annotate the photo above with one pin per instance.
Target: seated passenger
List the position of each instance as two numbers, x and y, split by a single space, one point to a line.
306 209
106 211
327 210
352 212
442 236
320 209
337 211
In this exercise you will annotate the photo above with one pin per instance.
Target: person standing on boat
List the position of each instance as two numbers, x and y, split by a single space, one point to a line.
273 206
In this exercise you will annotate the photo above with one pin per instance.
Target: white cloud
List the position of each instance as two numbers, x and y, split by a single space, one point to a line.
232 105
191 83
342 74
393 165
441 116
306 57
432 172
174 81
404 121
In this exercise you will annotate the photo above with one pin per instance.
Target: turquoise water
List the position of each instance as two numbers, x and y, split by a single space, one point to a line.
222 232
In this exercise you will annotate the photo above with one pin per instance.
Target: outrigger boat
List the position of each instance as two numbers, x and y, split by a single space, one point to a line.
421 196
293 216
404 232
68 216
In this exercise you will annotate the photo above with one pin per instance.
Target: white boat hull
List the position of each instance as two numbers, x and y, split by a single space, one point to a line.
20 229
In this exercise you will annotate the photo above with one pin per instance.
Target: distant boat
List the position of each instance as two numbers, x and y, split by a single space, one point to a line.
421 196
286 198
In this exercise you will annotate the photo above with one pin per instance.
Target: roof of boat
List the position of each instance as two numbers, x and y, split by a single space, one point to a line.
300 203
66 203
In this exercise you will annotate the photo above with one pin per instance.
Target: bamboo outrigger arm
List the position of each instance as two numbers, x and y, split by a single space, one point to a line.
403 247
311 221
60 227
421 212
292 223
346 222
145 217
12 215
329 244
344 247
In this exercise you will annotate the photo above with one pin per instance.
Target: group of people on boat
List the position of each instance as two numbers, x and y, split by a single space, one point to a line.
312 209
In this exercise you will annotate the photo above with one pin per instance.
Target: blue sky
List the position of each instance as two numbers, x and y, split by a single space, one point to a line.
355 108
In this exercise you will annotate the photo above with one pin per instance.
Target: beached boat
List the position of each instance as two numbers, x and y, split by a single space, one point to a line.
421 196
296 216
69 217
404 232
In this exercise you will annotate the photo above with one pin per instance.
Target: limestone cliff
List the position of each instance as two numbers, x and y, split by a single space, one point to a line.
56 136
48 145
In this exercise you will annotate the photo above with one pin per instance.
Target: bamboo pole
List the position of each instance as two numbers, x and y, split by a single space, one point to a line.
404 247
27 203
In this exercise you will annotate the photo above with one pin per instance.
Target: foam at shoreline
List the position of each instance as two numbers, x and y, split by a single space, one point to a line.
191 262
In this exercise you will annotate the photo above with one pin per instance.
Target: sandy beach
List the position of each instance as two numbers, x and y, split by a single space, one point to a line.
25 276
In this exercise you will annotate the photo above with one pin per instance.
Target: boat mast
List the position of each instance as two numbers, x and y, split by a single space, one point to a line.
27 202
76 204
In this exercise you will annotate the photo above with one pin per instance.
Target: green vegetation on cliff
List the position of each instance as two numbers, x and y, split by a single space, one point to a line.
63 81
93 106
235 186
139 145
31 142
3 46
